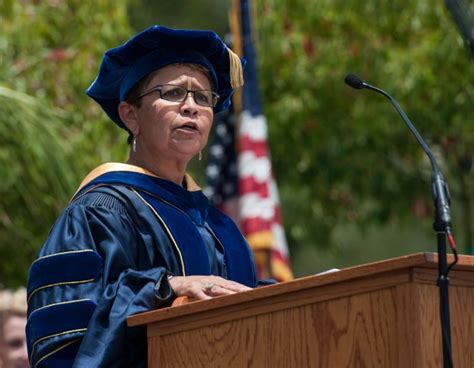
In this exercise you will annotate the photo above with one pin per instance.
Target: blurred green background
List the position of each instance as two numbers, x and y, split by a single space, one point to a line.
354 185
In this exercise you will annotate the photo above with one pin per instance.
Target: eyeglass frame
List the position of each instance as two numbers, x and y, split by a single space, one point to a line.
159 87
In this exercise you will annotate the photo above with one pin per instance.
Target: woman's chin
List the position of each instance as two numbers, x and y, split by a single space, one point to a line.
187 150
185 155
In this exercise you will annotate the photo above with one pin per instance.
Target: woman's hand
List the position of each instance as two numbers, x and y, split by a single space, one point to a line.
204 287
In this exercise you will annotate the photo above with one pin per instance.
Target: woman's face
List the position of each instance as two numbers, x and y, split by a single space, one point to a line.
173 130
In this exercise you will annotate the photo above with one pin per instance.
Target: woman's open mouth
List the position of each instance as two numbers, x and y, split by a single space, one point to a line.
188 127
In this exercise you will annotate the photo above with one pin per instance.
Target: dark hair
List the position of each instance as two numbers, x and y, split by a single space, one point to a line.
141 86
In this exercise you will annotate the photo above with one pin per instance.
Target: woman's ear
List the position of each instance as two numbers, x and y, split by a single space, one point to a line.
129 116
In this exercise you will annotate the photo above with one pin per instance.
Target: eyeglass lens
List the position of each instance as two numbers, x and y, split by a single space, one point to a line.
178 94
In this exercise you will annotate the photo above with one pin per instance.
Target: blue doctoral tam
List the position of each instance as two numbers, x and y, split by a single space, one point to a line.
156 47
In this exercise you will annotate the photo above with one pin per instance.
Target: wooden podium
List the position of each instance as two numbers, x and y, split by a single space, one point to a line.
382 314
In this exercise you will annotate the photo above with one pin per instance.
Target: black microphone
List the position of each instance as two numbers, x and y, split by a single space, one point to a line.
354 81
440 189
442 221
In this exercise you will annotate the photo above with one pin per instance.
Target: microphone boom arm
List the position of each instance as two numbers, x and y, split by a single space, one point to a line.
441 199
407 121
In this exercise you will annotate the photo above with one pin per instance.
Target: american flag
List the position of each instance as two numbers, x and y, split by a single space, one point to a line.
239 172
221 172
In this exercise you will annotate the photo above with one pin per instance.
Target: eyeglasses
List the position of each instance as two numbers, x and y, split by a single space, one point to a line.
170 92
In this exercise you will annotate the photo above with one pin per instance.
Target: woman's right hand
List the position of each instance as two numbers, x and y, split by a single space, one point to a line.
204 287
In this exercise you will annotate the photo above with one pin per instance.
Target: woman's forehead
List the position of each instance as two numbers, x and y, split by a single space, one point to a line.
181 73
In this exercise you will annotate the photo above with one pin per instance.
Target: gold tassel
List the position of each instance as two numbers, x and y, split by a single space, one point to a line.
236 72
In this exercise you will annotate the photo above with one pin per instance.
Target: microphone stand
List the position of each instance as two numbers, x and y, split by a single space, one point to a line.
441 224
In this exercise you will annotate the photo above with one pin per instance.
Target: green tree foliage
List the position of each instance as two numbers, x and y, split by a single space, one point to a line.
202 14
347 152
35 178
52 133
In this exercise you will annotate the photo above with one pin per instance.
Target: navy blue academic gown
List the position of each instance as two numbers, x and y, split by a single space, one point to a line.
107 257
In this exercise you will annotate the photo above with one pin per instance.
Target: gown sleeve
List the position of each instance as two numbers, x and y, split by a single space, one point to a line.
94 270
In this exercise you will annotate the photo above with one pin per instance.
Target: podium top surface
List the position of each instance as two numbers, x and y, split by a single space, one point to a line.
418 260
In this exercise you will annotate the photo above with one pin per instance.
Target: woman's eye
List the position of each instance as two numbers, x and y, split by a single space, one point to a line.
201 97
175 93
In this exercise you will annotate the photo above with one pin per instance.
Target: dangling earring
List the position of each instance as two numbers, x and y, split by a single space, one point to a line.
134 144
200 156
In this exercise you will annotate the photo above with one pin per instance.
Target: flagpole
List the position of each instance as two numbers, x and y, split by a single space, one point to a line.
235 25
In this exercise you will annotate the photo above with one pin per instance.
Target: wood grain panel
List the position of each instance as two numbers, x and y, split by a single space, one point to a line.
430 276
363 330
351 331
228 344
462 325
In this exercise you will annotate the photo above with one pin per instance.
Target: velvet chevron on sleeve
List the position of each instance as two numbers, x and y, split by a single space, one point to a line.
95 264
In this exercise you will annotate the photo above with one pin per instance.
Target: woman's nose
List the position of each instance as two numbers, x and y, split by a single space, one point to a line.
189 105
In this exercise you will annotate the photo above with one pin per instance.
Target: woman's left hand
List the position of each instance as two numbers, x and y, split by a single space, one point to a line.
204 287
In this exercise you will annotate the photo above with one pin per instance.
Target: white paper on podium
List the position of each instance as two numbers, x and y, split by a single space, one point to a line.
331 270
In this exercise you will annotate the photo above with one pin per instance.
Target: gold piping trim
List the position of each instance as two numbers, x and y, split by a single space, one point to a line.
58 284
61 253
60 303
54 352
118 166
167 231
39 340
33 347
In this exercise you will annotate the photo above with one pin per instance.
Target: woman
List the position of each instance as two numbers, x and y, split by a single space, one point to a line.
137 235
